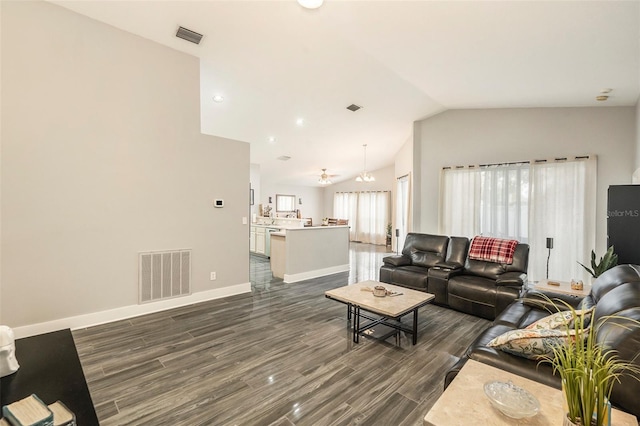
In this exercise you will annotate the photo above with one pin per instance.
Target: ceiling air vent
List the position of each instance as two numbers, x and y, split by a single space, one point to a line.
284 158
353 107
189 35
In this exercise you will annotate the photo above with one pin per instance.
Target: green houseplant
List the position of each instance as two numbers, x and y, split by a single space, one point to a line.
608 261
588 370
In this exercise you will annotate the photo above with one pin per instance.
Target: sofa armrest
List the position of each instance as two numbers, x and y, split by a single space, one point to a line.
550 302
511 278
448 265
444 271
400 260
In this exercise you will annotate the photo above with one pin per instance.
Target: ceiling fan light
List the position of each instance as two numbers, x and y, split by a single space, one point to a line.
324 178
310 4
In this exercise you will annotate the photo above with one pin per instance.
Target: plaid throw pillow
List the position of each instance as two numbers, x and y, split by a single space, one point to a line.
493 250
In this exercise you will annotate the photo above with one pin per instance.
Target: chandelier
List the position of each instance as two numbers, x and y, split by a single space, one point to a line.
324 178
365 176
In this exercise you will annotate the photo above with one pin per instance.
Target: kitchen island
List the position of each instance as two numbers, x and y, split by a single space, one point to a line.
299 254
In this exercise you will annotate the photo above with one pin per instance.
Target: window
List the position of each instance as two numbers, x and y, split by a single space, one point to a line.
368 214
527 202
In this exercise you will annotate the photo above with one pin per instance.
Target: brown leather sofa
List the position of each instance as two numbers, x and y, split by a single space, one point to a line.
615 292
420 253
439 265
485 288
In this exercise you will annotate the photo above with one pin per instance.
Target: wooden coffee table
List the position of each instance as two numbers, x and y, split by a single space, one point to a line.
391 309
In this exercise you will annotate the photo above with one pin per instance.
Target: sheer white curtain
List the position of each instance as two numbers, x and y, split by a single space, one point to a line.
529 203
373 216
459 202
368 214
345 206
563 208
403 192
504 202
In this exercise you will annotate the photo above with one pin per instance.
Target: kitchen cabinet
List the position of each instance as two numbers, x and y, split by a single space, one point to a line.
260 242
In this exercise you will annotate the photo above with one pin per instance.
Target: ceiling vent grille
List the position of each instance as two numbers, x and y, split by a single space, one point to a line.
354 107
284 158
189 35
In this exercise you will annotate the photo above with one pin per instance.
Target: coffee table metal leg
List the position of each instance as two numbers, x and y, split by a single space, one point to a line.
348 311
356 323
415 326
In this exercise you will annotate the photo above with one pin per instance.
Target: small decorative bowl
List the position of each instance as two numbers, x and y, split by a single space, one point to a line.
513 401
379 291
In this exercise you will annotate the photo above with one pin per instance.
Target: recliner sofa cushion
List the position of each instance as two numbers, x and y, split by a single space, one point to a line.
424 249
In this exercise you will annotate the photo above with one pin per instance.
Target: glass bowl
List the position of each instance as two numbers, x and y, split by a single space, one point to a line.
511 400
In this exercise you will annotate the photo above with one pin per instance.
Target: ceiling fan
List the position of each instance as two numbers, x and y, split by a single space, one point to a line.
324 178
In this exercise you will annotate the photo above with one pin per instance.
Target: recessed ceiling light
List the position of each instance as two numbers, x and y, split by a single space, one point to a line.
604 91
218 98
271 139
300 121
310 4
602 98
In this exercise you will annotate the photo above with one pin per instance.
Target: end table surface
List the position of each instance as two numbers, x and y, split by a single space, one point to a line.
563 288
465 403
391 306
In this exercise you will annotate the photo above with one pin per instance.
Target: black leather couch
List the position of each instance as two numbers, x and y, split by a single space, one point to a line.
615 292
420 253
439 265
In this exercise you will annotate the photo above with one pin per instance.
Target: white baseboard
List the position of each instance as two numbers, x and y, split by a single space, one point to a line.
292 278
96 318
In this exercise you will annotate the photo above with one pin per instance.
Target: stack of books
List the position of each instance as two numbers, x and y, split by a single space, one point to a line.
31 411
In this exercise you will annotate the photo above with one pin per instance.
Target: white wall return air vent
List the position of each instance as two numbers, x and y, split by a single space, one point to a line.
163 275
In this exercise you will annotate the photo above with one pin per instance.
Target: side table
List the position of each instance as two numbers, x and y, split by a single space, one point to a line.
563 288
464 403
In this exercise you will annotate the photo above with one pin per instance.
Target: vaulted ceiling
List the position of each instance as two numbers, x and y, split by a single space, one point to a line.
275 62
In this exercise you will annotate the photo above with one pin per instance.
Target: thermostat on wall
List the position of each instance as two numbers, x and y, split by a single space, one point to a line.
218 203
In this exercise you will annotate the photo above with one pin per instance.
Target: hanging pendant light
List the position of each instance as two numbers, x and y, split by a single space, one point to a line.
365 176
324 178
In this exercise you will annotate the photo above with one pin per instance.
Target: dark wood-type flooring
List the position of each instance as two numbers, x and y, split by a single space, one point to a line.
280 355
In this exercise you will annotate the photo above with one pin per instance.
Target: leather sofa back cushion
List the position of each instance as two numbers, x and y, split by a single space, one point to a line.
424 249
493 270
424 258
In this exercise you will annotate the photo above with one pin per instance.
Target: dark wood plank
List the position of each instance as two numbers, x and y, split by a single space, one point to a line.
281 355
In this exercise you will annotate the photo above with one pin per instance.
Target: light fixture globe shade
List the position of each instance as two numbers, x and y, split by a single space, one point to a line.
310 4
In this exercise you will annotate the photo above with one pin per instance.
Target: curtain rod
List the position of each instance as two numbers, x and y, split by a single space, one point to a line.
356 192
516 163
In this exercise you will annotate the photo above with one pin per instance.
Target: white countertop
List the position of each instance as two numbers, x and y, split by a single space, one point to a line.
308 228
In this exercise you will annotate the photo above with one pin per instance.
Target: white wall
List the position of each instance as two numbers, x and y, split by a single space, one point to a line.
463 137
102 158
256 185
403 166
311 198
385 181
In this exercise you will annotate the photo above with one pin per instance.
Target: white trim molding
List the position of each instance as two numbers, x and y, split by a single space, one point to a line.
293 278
97 318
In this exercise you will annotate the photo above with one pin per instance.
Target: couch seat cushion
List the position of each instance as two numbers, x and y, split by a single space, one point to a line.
519 315
478 289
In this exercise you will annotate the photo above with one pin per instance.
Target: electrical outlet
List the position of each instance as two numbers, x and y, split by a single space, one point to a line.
213 276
